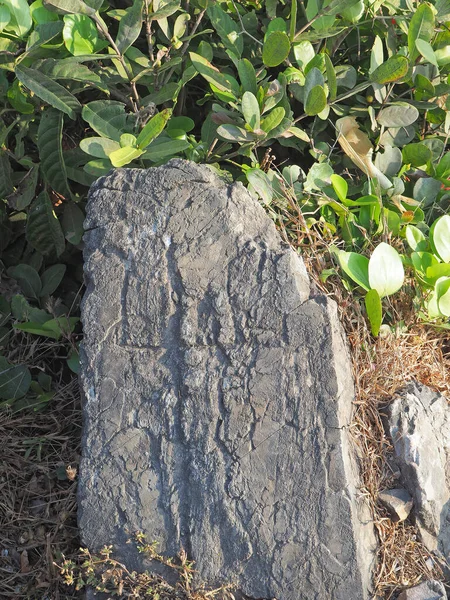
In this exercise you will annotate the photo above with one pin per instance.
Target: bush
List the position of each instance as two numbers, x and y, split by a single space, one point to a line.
259 90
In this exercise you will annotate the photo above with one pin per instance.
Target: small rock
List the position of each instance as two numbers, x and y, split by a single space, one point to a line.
397 502
419 425
428 590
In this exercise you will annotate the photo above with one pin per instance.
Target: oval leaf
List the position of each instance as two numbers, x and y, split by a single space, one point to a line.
250 110
400 114
98 146
440 237
356 266
316 101
276 48
392 70
386 273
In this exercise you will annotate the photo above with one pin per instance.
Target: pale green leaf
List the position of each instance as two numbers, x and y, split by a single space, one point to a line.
250 110
79 34
420 27
98 146
340 186
153 128
440 237
386 273
123 156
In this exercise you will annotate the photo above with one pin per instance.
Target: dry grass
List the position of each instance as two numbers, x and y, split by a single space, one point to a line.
38 496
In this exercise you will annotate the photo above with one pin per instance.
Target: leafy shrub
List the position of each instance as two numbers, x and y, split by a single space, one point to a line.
261 91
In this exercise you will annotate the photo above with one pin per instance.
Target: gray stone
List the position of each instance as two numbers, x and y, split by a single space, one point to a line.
218 393
397 502
419 424
428 590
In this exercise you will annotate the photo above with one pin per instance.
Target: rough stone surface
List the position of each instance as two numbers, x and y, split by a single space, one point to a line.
398 503
217 392
419 424
428 590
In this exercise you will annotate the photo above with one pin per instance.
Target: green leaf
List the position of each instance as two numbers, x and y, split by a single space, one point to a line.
421 27
165 11
6 186
443 10
107 118
186 124
392 70
374 311
28 279
43 230
386 273
273 119
400 114
79 34
318 177
250 110
276 49
73 361
234 134
5 17
130 26
123 156
51 279
427 51
161 149
14 380
53 328
304 53
48 90
356 266
20 19
415 238
340 187
442 291
41 15
25 191
416 154
49 143
72 70
331 78
316 101
67 7
98 146
73 223
223 81
440 237
247 75
434 272
153 128
98 167
260 182
42 34
227 29
22 310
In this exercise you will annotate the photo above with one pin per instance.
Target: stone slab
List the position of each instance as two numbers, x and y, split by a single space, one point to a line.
217 393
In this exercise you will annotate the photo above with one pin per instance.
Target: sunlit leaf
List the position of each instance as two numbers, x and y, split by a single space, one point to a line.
386 273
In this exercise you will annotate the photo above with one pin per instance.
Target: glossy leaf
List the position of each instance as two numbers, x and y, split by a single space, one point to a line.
276 49
386 273
72 223
440 237
153 128
392 70
356 266
107 118
250 110
98 146
123 156
421 27
442 291
28 279
79 34
316 101
20 19
48 90
130 26
340 186
51 279
15 380
51 155
374 310
67 7
43 230
247 76
415 238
